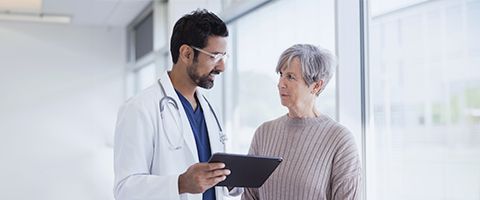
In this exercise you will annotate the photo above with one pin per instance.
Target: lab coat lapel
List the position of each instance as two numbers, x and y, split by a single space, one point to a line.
212 126
188 134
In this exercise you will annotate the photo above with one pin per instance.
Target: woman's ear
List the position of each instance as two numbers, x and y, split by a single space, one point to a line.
185 54
317 87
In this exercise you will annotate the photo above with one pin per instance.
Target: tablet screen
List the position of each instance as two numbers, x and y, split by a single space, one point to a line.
246 170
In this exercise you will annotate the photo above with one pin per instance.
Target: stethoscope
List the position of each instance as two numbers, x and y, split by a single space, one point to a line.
163 103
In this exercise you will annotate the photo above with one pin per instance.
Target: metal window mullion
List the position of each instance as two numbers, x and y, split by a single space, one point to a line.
352 82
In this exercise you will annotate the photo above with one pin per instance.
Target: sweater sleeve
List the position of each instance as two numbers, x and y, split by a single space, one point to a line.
252 193
349 188
346 170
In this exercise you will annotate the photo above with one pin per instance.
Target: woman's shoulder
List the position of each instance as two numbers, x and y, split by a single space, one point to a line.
265 132
272 123
333 126
343 137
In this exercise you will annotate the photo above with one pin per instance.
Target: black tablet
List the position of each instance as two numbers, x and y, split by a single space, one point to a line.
247 170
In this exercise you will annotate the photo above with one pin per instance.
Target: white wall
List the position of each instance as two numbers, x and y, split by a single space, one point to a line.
179 8
60 89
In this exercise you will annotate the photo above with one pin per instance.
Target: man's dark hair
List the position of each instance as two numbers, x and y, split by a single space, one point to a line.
194 29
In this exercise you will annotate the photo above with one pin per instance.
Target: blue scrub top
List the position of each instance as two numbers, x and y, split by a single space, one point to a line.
199 129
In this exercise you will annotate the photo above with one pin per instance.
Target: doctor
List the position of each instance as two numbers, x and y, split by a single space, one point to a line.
165 134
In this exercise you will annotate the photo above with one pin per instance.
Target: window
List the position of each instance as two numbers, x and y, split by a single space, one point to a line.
424 141
141 70
258 39
143 33
145 77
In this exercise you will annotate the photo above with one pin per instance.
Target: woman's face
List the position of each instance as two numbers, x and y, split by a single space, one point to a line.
294 92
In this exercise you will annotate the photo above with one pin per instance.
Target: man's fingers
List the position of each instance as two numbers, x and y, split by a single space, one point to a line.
201 176
208 166
223 172
215 166
217 179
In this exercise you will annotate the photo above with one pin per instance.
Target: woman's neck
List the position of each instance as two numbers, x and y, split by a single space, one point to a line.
306 112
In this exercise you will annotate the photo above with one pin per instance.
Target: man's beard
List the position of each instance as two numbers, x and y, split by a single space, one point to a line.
201 81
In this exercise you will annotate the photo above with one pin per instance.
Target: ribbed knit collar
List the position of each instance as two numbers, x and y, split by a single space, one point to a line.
304 121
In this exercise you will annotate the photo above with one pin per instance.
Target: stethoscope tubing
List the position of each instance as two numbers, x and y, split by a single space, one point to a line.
165 100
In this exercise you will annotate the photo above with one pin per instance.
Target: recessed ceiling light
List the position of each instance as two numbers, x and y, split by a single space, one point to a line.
21 6
27 17
28 11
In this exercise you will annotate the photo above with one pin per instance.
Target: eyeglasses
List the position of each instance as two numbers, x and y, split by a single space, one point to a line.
216 57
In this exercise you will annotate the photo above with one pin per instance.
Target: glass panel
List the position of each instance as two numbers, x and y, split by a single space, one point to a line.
261 37
129 85
145 77
424 142
144 37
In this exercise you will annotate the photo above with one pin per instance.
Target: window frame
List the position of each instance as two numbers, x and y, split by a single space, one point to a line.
352 69
134 65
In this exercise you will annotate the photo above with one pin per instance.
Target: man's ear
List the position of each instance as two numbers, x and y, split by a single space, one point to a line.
185 54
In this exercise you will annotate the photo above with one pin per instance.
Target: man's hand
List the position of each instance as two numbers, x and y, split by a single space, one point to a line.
201 176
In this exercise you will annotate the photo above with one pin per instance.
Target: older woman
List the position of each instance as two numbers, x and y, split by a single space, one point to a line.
321 160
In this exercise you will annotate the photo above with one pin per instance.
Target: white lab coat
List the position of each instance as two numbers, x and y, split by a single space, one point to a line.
145 165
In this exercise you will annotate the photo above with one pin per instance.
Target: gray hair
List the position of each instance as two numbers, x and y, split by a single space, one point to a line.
316 63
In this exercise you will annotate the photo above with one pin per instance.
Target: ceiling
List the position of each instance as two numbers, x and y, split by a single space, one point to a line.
112 13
